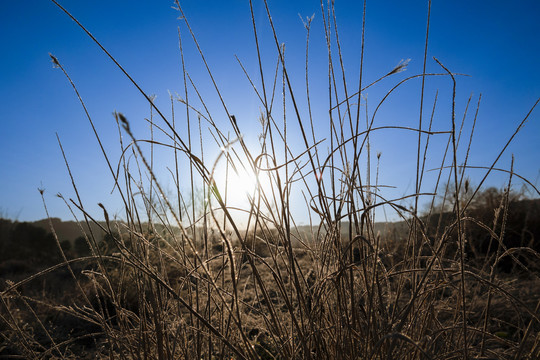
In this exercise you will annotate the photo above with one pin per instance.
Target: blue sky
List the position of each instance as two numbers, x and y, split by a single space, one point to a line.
495 42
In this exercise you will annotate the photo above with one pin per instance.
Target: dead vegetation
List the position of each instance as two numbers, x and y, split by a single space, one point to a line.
177 279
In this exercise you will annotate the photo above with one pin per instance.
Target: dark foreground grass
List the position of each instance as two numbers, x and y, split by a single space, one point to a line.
181 279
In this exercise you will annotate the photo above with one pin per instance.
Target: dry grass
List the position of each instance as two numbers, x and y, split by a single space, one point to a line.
179 280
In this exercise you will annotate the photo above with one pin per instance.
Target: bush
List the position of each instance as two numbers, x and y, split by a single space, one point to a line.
26 242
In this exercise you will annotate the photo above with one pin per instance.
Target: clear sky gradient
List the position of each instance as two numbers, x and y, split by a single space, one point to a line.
495 42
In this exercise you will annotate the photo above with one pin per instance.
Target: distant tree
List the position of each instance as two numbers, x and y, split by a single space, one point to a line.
32 244
508 214
66 245
108 243
5 229
67 248
81 247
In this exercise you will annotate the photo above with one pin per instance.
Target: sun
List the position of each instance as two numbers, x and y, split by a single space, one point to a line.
238 186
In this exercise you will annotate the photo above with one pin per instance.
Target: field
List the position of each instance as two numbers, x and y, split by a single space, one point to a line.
203 274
